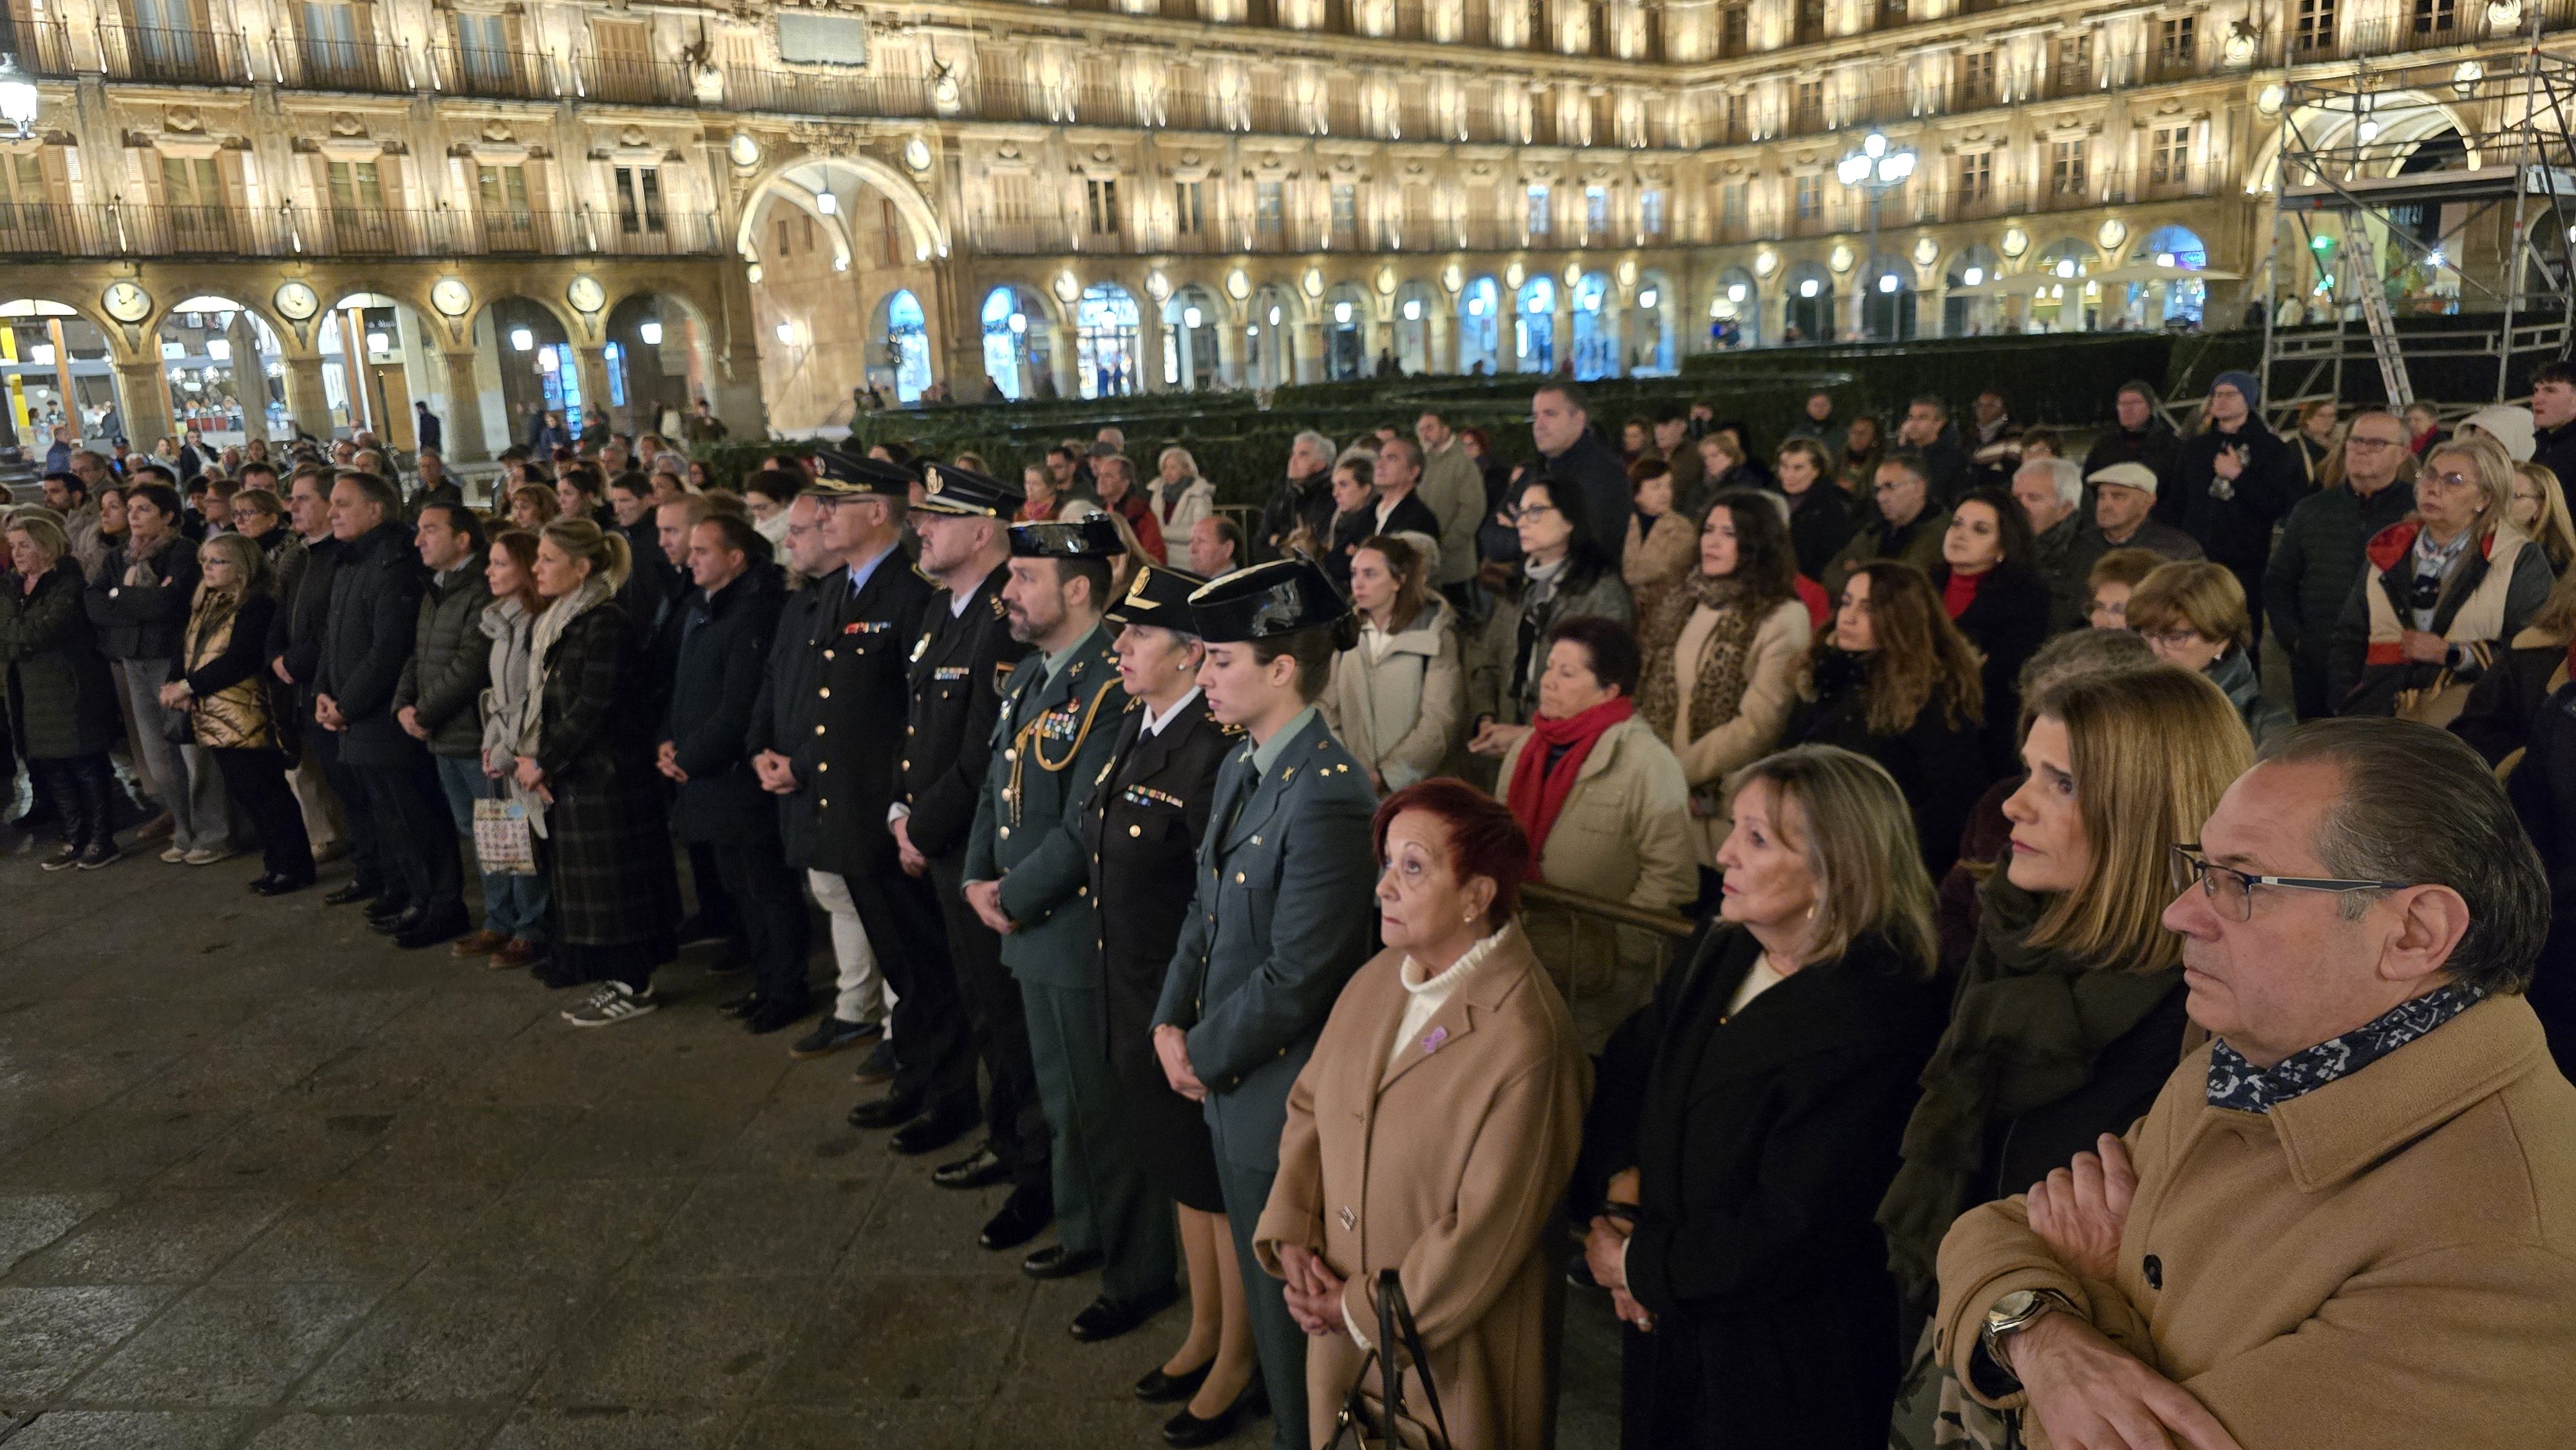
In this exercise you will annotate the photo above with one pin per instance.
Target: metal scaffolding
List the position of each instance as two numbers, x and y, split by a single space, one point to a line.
2488 214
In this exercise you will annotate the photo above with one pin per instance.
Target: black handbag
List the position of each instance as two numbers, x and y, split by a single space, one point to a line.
1379 1421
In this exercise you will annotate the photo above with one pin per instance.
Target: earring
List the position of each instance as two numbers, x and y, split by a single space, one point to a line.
1811 911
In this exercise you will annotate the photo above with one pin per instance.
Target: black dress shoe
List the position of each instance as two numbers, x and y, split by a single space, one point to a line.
354 891
387 903
1107 1318
742 1006
1188 1430
1025 1215
889 1111
933 1131
408 919
775 1014
1055 1261
434 929
1158 1388
280 885
983 1170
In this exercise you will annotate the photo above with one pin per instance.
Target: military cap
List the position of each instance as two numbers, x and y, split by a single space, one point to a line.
1157 597
1267 600
948 489
1090 538
849 473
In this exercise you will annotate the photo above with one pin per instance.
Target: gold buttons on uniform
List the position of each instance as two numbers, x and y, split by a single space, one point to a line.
1256 840
906 764
827 654
822 765
1238 878
1135 830
1011 754
1006 833
825 692
818 729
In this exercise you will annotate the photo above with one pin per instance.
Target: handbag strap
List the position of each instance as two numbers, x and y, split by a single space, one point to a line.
1395 1316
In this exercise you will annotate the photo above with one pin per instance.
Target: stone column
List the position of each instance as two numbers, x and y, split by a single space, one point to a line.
1308 340
1614 319
1061 361
1229 351
462 418
1562 356
591 360
144 401
306 399
1444 342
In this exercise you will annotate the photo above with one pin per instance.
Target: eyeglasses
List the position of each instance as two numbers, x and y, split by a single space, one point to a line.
1531 511
2231 891
2454 480
2171 638
2359 444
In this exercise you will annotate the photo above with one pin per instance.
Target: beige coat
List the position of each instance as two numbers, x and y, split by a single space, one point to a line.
1455 489
1445 1167
1625 831
2388 1260
1711 750
1657 557
1398 714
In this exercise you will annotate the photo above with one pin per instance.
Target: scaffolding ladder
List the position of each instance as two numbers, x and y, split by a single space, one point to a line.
2363 260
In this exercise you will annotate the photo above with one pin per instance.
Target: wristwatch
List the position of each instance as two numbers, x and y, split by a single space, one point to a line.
2014 1313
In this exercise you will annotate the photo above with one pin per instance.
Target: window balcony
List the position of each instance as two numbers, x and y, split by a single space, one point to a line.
171 55
343 65
113 229
496 75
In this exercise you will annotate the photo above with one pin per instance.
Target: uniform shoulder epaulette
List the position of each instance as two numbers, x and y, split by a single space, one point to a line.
1133 703
1000 610
926 579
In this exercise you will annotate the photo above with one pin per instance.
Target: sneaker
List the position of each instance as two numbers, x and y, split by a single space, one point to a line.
615 1003
64 859
834 1034
100 853
175 854
207 856
599 996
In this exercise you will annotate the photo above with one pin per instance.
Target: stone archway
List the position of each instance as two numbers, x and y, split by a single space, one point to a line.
225 381
56 365
830 240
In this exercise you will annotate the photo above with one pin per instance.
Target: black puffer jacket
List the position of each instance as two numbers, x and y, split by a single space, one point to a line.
450 662
144 621
367 638
2320 557
60 700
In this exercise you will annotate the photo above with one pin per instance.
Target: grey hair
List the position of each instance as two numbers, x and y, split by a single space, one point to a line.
2083 652
1189 465
2063 474
2417 804
1316 441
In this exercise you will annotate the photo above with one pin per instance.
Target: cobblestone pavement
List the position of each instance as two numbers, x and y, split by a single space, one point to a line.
266 1181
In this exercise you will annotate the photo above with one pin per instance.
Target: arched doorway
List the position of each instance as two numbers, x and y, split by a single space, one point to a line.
1346 328
1965 311
1015 343
1480 327
899 347
1104 340
2067 301
370 385
1414 304
1808 310
829 239
1534 326
1652 349
533 368
1268 361
1596 334
657 361
225 370
1887 307
1190 321
2167 300
1735 313
57 370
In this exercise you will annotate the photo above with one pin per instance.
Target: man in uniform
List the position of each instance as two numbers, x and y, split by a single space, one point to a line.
1284 913
1028 877
867 619
961 665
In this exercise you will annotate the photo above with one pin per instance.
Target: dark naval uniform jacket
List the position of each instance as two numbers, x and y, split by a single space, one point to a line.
961 665
862 696
1148 816
784 716
1048 747
1282 916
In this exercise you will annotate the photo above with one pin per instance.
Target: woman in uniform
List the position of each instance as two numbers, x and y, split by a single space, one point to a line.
1142 834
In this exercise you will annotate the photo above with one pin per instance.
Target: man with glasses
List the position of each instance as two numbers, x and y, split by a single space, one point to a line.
2320 554
2345 1220
1908 527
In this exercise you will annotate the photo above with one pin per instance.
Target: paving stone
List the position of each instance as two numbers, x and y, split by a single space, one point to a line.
619 1428
917 1425
450 1342
361 1232
658 1340
29 1221
757 1225
441 1143
224 1345
575 1229
48 1336
906 1337
157 1236
128 1430
324 1431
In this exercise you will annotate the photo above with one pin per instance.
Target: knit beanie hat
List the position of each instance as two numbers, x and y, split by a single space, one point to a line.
2243 383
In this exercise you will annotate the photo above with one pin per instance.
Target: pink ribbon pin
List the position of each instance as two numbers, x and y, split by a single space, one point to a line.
1431 1040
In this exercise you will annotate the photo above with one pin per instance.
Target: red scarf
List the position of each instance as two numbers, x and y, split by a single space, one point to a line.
1538 793
1959 593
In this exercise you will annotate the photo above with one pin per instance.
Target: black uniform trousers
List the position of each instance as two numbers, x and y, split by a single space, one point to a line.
363 842
768 902
1015 1120
934 1063
415 834
716 909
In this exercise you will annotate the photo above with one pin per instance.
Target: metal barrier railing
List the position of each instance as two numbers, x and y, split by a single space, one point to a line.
1604 956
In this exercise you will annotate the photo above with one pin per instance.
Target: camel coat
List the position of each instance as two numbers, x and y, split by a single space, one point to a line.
2387 1260
1398 714
1712 750
1446 1167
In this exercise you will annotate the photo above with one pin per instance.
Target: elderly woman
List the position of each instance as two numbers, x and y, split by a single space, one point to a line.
2193 615
514 903
1661 538
587 759
260 516
1564 572
1180 497
221 680
1432 1133
2068 1018
1394 696
1722 653
56 689
2440 594
1748 1119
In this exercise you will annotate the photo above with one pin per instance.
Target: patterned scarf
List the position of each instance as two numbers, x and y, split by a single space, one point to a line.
1717 688
2238 1084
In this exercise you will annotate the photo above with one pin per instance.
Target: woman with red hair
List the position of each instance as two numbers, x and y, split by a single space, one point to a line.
1433 1132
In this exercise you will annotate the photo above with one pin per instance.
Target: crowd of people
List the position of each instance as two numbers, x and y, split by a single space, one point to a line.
2018 1081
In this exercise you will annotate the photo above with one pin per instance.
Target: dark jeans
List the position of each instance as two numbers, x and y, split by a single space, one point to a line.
81 790
933 1064
256 780
415 836
769 913
1014 1114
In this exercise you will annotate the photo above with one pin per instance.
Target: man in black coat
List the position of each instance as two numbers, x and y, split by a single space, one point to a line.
2143 436
731 617
960 666
2321 552
1304 496
2553 417
870 618
305 571
426 431
1561 426
367 637
2234 481
1926 429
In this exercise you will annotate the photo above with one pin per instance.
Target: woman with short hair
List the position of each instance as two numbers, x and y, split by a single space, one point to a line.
220 679
1747 1122
1820 515
2193 615
1564 572
533 506
58 695
2108 585
1660 536
1394 696
1179 497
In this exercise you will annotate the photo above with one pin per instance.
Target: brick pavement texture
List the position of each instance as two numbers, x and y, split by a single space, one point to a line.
269 1183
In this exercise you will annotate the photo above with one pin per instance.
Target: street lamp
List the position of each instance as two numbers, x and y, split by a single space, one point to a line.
1877 168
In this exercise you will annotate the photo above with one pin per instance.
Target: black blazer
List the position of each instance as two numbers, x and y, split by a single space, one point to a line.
724 651
959 668
784 714
1141 833
863 697
1764 1142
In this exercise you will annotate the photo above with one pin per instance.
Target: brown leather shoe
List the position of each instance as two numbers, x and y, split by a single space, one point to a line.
482 943
516 953
155 828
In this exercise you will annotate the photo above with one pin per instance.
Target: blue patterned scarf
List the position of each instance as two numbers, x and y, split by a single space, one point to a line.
2236 1083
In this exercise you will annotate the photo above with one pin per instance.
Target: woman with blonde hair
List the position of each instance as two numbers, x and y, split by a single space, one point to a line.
2068 1017
58 701
1178 496
1747 1120
220 678
2193 615
1394 697
2540 511
2441 592
584 765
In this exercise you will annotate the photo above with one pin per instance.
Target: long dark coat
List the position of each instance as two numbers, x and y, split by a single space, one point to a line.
785 713
2006 622
144 621
724 650
612 877
367 638
865 694
1763 1142
61 699
1939 763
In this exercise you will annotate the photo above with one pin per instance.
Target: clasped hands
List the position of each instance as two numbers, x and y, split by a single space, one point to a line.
1314 1295
1605 1248
2089 1393
986 898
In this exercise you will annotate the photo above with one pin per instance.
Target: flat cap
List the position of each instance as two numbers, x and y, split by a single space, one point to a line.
2127 475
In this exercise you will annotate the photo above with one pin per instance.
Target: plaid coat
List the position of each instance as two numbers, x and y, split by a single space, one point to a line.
610 843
